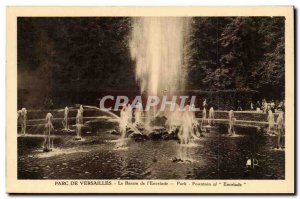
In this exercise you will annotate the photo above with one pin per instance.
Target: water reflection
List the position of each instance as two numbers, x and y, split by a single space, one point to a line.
211 157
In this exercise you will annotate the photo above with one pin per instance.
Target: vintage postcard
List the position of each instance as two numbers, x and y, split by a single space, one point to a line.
150 100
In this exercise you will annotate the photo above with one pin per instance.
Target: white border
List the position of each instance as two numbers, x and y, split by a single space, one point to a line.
3 5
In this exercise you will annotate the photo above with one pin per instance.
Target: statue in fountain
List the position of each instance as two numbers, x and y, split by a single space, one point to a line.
79 123
22 117
47 133
66 124
231 120
211 116
280 131
271 121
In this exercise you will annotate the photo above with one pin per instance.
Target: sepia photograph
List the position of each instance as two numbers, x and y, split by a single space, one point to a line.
172 97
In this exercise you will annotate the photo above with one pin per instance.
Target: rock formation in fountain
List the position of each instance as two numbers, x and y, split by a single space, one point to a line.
47 133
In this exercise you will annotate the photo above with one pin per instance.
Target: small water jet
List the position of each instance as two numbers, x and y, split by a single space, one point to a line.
48 145
173 119
65 121
280 131
22 118
231 121
185 155
123 121
79 123
129 112
204 119
195 130
117 118
125 124
187 130
271 122
138 115
211 116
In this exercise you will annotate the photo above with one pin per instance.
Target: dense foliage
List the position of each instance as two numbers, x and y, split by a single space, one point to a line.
238 53
65 58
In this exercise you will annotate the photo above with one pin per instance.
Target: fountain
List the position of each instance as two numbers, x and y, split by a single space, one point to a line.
280 130
231 122
138 114
211 116
81 110
65 121
271 122
186 127
47 133
123 121
184 155
130 125
129 112
158 48
79 123
188 130
173 119
204 119
22 117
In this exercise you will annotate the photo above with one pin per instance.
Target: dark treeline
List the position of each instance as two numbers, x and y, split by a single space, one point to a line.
72 60
238 53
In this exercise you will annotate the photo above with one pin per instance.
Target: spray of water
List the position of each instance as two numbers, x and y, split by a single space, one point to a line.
158 48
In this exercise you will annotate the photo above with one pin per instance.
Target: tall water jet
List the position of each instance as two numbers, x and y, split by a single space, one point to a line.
158 48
